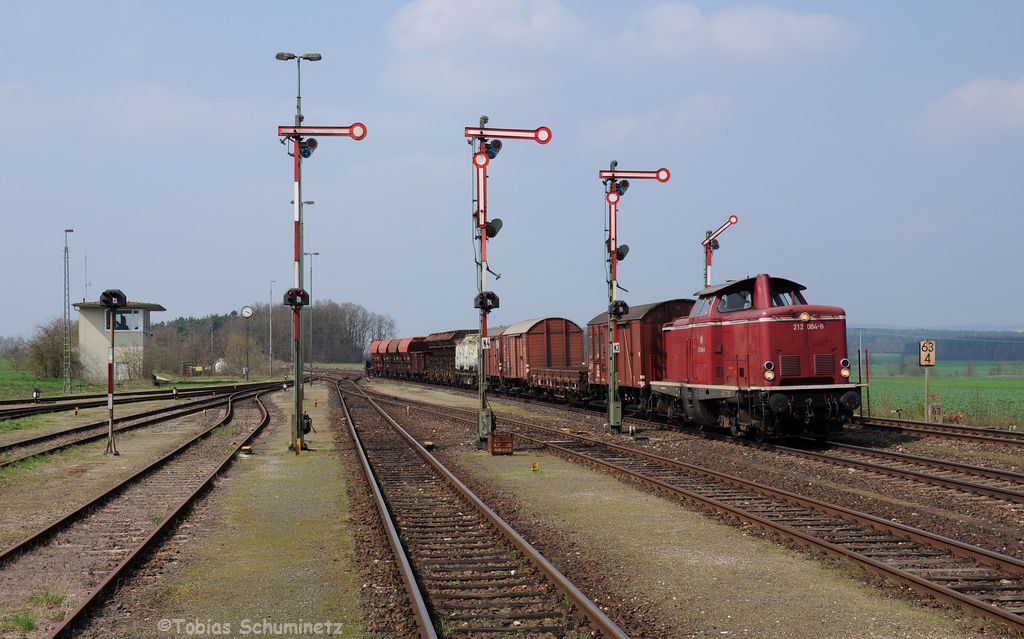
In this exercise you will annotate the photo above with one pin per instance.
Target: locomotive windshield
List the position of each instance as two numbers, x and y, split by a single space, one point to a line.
787 298
739 300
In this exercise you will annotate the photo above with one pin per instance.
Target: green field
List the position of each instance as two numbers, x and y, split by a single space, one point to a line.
19 384
976 393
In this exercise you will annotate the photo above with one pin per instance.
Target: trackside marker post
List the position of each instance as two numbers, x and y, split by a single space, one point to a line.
486 144
710 244
302 146
616 183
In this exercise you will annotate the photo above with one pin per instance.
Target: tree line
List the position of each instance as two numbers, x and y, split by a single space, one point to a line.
985 346
341 332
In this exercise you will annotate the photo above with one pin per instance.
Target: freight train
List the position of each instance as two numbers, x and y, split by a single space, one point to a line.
749 356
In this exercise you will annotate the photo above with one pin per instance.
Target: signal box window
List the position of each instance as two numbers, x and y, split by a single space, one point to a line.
787 298
736 301
130 320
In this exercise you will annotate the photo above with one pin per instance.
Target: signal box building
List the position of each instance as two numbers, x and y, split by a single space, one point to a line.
131 337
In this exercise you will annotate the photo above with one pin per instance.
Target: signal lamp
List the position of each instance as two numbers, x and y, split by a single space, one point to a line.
622 252
769 375
486 301
493 227
311 143
805 316
493 148
618 308
845 373
622 187
714 245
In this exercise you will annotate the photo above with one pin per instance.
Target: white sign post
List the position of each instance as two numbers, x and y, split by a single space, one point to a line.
926 358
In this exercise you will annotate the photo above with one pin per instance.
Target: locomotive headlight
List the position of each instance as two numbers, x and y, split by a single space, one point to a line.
769 365
769 375
805 316
845 373
844 363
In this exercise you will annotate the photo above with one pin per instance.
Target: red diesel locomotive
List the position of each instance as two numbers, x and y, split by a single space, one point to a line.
754 357
751 356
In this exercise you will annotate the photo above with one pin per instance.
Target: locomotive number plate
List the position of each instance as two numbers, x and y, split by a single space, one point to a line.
812 326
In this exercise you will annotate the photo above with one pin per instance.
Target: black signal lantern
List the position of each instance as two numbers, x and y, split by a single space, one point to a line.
493 227
621 187
618 308
486 301
621 252
492 148
296 297
714 245
307 147
113 298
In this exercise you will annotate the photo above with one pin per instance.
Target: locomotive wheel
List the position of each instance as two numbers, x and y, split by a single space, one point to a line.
734 428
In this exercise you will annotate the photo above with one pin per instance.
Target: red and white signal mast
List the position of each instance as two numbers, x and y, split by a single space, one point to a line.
486 143
710 244
615 184
302 147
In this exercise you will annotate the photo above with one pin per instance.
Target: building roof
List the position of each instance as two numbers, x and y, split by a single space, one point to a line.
144 306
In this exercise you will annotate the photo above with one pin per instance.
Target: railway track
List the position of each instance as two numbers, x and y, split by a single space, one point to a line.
466 572
18 451
95 546
951 431
985 582
27 408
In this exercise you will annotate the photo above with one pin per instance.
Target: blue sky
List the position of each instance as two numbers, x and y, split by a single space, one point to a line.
872 150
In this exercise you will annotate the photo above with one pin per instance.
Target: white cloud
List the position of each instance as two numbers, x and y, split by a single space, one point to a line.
679 28
434 24
982 105
685 119
452 48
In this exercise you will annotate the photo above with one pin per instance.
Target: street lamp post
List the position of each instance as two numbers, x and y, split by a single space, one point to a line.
67 314
270 330
485 144
247 312
616 182
303 146
309 289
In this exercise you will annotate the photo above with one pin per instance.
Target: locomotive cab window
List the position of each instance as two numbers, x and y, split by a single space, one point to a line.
739 300
788 298
702 307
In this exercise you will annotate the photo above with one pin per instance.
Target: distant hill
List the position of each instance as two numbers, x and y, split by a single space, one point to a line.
950 343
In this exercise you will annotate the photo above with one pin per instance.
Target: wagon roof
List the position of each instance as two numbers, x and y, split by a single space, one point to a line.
637 312
776 282
447 335
524 326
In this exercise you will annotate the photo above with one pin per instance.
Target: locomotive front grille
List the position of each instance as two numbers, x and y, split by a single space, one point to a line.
789 365
824 364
